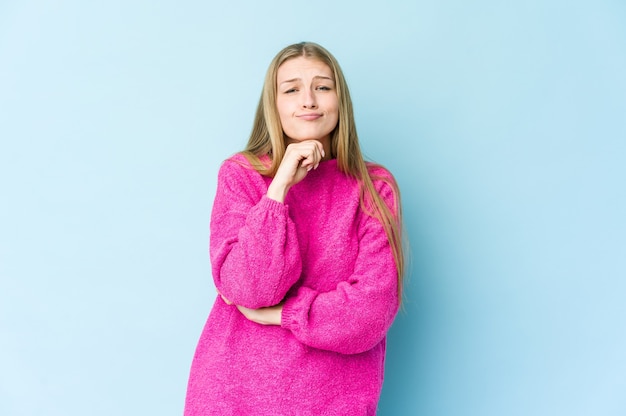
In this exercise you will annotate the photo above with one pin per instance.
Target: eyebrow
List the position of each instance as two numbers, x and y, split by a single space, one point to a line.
315 77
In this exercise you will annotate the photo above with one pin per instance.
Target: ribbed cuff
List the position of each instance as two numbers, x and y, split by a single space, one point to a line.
272 205
296 308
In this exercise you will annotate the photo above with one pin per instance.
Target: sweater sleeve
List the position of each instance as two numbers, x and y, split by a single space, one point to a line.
255 257
355 316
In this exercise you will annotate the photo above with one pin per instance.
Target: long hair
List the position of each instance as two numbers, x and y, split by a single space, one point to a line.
267 139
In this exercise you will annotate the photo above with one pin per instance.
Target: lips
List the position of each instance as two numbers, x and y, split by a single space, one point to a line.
309 116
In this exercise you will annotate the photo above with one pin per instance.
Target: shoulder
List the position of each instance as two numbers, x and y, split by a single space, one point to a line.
236 162
385 185
382 178
237 174
238 165
246 163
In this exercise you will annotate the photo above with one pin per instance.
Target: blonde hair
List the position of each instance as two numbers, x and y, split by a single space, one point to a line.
267 138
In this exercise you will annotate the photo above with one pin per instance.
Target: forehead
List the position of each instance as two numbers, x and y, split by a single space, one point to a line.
302 66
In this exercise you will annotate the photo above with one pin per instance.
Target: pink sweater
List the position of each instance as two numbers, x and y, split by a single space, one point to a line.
332 266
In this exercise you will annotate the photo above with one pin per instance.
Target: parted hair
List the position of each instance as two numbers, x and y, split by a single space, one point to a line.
267 139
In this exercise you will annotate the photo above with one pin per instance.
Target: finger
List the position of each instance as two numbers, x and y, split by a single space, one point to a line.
320 153
320 148
299 154
246 312
314 156
226 300
318 157
308 162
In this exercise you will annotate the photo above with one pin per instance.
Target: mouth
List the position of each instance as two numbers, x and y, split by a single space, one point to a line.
309 116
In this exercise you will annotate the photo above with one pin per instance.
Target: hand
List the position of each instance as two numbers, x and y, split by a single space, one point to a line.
264 316
299 159
226 301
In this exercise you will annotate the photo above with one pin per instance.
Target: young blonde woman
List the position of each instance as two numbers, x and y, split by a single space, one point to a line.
306 255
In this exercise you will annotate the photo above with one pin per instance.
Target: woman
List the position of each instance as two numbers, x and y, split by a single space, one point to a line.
306 257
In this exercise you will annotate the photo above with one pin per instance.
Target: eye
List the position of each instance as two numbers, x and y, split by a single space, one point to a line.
290 90
323 88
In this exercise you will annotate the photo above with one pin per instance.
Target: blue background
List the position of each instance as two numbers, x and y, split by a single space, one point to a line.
504 123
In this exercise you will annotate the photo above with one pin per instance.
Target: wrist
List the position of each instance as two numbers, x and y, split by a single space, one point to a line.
277 191
276 315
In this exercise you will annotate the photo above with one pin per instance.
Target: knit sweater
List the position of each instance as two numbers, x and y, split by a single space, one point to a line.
332 266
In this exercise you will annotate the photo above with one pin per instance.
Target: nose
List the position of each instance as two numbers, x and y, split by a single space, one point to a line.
308 100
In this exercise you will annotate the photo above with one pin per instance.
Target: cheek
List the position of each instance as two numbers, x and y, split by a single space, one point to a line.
333 106
283 111
335 112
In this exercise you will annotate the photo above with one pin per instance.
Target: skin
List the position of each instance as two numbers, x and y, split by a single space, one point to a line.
308 108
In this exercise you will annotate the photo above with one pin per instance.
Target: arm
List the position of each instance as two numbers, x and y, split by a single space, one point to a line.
254 245
254 249
355 316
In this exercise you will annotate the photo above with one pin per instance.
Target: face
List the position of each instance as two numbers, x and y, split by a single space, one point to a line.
306 99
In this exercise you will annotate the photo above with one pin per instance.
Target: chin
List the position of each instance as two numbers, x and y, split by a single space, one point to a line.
313 136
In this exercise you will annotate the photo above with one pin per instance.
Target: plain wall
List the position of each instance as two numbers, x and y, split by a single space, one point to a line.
502 121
